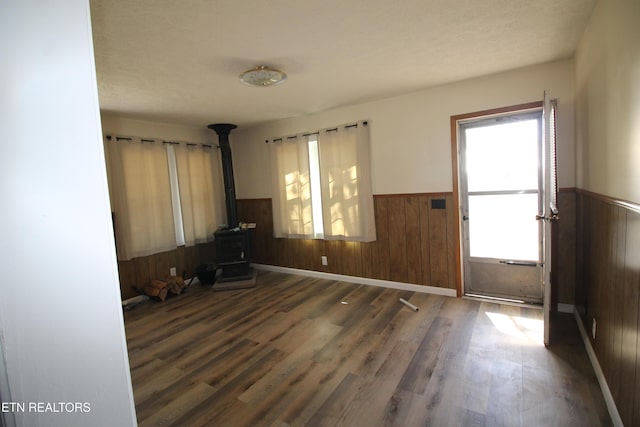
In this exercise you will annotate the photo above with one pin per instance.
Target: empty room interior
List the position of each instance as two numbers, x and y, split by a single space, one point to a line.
340 213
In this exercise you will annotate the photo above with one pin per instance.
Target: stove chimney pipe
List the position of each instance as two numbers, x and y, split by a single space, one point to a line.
223 130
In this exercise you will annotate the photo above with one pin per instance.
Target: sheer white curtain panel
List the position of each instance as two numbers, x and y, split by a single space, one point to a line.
345 179
291 200
140 197
201 197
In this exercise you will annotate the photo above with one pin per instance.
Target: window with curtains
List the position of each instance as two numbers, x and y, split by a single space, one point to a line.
322 185
196 169
163 194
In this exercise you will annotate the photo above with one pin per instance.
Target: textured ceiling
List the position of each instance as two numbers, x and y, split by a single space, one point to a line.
179 61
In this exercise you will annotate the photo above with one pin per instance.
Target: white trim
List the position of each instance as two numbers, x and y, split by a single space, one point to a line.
135 300
502 302
360 280
566 308
608 397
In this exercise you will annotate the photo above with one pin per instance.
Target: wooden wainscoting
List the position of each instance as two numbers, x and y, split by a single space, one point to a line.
609 291
415 242
566 252
137 272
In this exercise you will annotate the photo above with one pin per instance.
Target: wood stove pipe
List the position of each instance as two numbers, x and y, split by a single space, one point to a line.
223 130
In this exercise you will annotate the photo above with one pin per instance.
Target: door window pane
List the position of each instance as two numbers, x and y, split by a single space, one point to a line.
503 156
504 227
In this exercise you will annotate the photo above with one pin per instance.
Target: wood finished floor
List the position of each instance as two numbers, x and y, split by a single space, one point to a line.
289 353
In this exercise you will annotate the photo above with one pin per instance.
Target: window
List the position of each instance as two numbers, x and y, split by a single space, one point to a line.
140 197
175 195
316 194
198 189
163 194
322 185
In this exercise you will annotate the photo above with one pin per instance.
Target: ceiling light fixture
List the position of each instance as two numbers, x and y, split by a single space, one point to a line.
262 76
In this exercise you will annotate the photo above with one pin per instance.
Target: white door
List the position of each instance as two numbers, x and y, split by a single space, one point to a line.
501 197
550 198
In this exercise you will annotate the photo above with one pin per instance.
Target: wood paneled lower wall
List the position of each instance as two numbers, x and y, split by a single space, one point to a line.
139 271
566 248
608 291
415 242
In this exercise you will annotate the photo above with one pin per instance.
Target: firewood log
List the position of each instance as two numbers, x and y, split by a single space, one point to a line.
155 291
174 288
159 284
175 284
177 279
163 294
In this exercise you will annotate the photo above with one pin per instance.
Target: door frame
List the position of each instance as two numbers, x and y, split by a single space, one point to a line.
455 160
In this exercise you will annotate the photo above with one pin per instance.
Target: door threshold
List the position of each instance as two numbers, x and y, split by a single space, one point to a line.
502 300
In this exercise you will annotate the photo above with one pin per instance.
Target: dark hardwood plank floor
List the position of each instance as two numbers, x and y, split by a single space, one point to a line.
296 351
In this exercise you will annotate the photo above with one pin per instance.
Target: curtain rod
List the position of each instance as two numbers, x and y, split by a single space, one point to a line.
143 140
334 129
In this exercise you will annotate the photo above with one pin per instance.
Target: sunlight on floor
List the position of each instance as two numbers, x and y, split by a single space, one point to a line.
530 330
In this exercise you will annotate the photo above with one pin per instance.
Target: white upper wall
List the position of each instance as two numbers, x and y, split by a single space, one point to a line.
410 134
608 101
62 335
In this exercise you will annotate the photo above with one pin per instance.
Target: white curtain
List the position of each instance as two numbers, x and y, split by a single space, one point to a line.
345 177
199 191
140 197
291 202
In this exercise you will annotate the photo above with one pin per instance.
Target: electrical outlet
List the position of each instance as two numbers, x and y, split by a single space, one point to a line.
324 260
593 328
172 271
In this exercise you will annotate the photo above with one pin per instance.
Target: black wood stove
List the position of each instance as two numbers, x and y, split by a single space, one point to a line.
233 246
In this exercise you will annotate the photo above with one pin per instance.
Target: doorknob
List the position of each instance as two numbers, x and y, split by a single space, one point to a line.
465 218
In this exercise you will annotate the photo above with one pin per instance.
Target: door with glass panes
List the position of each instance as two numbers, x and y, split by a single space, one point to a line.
501 194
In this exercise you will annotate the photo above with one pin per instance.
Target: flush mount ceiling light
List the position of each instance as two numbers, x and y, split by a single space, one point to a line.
262 76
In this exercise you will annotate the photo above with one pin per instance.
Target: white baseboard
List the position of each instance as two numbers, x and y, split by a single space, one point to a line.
359 280
608 397
134 300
